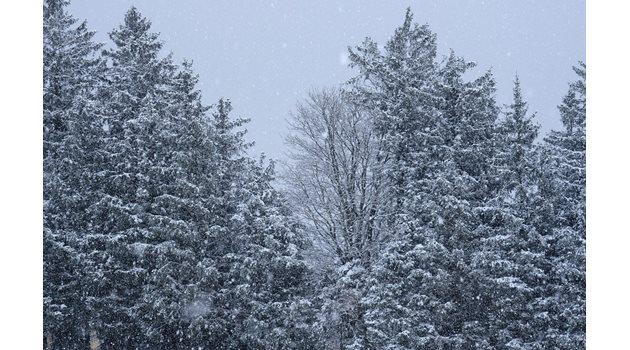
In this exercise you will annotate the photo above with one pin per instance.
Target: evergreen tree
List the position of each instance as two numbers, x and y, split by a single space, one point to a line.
262 272
72 71
512 255
132 107
426 291
563 185
398 85
179 292
517 133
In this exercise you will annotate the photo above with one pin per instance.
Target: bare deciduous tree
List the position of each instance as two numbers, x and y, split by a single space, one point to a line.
333 176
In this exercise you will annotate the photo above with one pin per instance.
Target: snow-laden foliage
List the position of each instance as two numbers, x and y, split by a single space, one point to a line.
563 189
159 231
72 71
470 256
416 214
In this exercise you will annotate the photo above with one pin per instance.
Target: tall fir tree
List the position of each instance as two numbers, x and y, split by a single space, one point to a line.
132 107
72 72
427 291
512 255
398 85
180 288
517 133
262 272
563 187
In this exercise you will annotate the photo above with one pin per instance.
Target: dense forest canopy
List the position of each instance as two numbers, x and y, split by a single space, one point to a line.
414 212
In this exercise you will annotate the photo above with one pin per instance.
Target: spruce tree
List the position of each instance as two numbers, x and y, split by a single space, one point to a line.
390 84
440 129
262 272
178 294
563 185
72 72
512 258
517 133
131 105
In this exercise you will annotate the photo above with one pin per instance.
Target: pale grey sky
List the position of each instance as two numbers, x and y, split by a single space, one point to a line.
265 55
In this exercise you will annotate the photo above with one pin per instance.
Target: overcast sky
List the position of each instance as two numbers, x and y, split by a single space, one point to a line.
265 55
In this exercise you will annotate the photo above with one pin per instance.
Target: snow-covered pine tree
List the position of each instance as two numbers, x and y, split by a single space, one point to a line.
461 190
397 84
517 132
440 134
262 272
563 185
178 297
72 70
132 105
511 258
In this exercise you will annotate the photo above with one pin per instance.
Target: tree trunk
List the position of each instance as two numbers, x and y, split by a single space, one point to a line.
49 340
95 343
